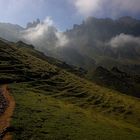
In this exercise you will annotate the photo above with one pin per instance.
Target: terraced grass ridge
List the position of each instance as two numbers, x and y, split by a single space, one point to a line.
53 103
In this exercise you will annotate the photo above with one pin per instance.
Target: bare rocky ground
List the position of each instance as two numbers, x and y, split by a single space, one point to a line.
3 102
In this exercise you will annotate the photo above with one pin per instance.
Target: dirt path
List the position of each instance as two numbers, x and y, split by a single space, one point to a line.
5 118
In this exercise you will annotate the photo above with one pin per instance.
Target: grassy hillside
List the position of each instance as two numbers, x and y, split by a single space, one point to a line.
52 103
117 79
39 116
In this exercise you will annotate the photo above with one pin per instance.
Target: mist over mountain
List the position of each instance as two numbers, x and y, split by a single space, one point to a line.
10 31
95 42
107 42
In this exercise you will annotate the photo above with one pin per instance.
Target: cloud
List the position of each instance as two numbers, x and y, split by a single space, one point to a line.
62 40
44 35
124 40
86 7
113 7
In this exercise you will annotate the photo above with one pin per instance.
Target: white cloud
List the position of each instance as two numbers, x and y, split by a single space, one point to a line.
39 31
62 39
44 35
116 7
124 40
86 7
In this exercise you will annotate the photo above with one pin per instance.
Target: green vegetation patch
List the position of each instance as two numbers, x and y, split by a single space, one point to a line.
41 117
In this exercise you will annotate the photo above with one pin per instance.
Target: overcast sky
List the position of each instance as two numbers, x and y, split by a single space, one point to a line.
65 13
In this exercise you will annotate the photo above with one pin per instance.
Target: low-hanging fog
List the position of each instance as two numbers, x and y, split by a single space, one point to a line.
44 35
123 40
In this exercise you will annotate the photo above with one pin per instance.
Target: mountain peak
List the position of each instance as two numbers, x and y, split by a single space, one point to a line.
33 24
128 20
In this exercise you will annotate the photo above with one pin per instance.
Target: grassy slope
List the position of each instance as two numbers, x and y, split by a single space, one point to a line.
42 117
55 104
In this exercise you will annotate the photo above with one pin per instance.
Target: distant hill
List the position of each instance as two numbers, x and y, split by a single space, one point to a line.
10 31
119 80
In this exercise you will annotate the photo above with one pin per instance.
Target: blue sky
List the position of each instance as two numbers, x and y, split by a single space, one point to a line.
65 13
